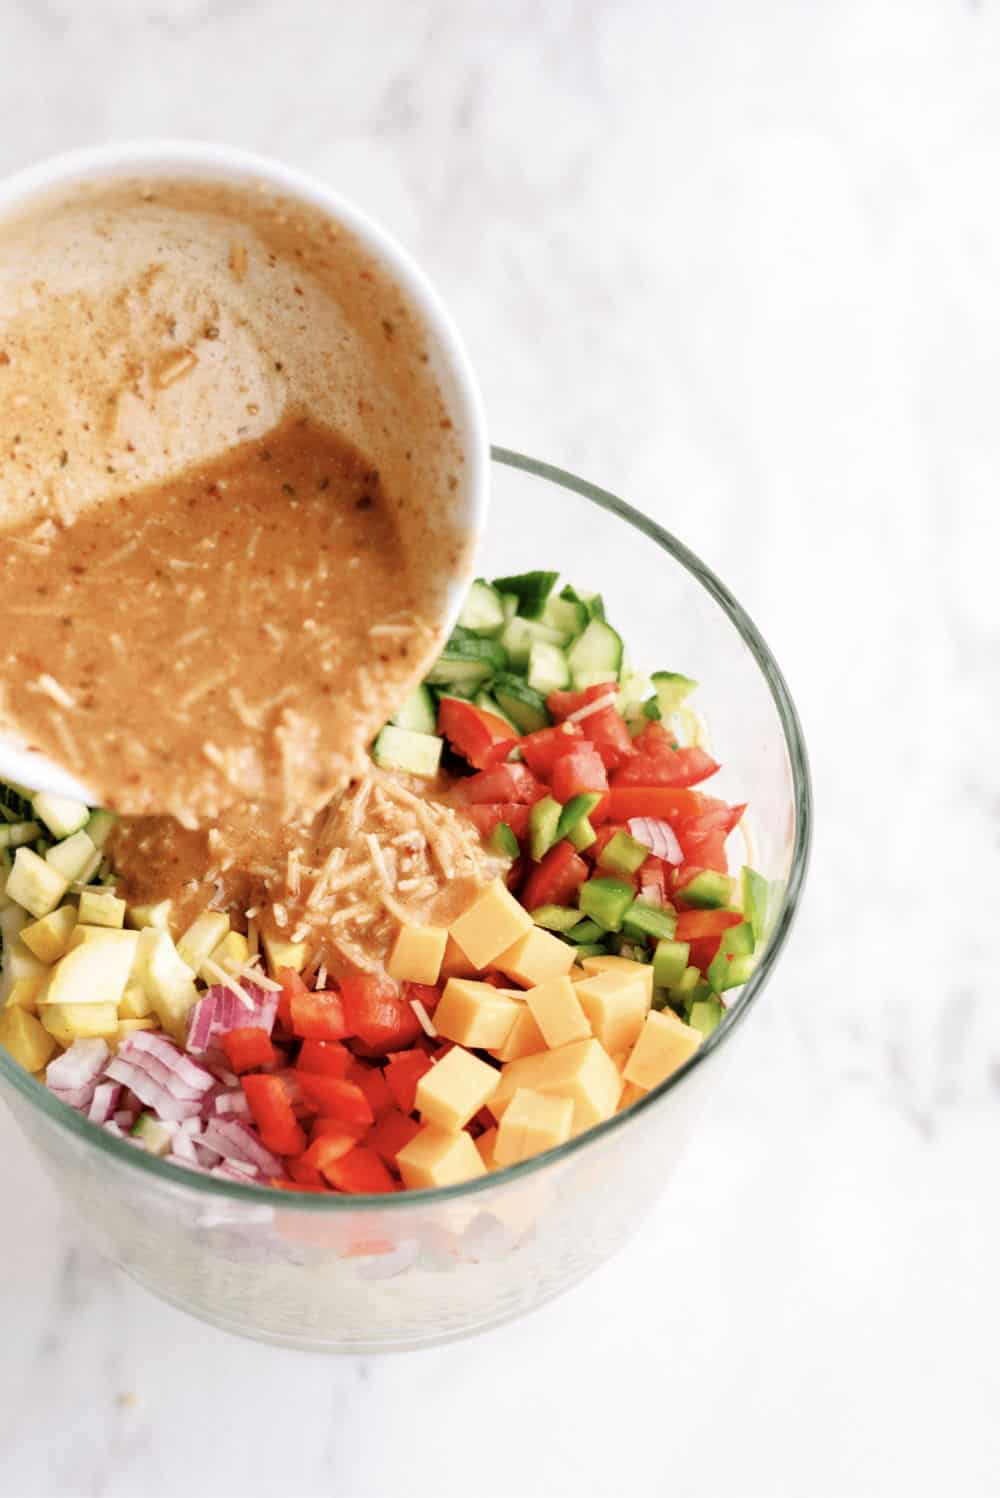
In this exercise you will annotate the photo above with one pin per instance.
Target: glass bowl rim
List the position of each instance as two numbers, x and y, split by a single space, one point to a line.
177 1177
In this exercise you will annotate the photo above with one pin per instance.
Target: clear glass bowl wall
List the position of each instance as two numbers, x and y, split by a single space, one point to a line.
349 1274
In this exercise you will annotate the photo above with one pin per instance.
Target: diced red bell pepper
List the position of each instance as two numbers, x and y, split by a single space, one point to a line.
693 924
517 873
248 1047
319 1016
377 1014
327 1150
334 1097
321 1127
306 1174
273 1114
373 1085
667 802
480 737
556 879
326 1057
291 986
501 783
582 770
402 1073
542 748
361 1172
487 817
392 1133
429 994
679 767
562 704
293 1185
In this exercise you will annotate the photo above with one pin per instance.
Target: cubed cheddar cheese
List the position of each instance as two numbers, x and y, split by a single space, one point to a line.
664 1045
558 1012
532 1122
455 1089
582 1071
102 908
49 937
439 1157
526 1039
630 1094
615 1004
25 1038
454 963
202 937
536 957
492 923
485 1144
417 954
475 1014
24 993
643 970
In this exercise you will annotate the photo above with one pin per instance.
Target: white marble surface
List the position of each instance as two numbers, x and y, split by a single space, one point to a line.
737 259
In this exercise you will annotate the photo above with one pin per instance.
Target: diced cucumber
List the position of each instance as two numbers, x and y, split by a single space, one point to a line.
671 690
531 590
488 704
153 1133
706 1015
670 961
544 825
548 668
623 854
606 901
598 650
755 899
592 602
587 931
75 858
582 835
61 816
509 601
18 834
467 659
100 826
558 918
522 704
482 612
733 963
519 635
34 884
644 921
569 616
15 802
6 864
576 810
503 842
399 749
417 713
708 890
102 910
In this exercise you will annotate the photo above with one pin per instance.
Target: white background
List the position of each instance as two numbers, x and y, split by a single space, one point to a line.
738 260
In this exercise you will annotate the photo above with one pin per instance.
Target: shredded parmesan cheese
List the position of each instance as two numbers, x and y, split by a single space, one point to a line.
426 1023
49 687
221 976
597 706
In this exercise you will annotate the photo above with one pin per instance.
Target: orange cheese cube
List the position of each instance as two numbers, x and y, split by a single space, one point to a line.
491 924
615 1004
536 957
643 970
630 1094
456 1088
532 1122
582 1071
454 963
439 1157
475 1014
526 1039
486 1144
417 954
665 1043
558 1012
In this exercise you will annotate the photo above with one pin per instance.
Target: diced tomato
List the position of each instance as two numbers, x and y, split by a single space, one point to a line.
556 879
291 987
607 732
273 1114
402 1073
392 1133
680 767
668 802
327 1057
501 783
693 924
582 770
512 812
248 1047
543 748
377 1014
517 873
373 1085
429 994
335 1097
319 1016
360 1172
481 738
562 704
702 836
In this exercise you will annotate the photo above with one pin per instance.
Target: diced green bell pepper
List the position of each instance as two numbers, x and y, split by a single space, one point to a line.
708 890
623 854
586 931
706 1015
503 842
543 826
606 901
558 918
582 835
670 961
591 949
576 810
755 899
645 920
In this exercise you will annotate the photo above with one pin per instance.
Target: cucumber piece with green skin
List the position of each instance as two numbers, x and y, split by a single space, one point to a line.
670 960
624 854
468 660
417 713
154 1136
644 921
596 652
488 704
733 962
531 590
707 890
706 1015
509 601
582 835
671 689
519 635
558 918
606 901
548 668
576 810
482 613
18 834
35 884
569 616
100 827
755 899
399 749
61 815
503 842
543 824
592 602
15 802
520 703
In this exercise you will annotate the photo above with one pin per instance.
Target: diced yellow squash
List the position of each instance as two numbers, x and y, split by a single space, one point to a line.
524 1040
643 970
631 1093
475 1014
158 915
456 1088
76 858
417 954
558 1012
232 953
34 884
93 972
100 908
83 936
128 1027
26 1039
615 1004
664 1045
439 1157
282 953
491 924
17 962
532 1122
485 1144
49 937
168 981
455 964
202 937
24 993
536 957
69 1022
582 1071
135 1003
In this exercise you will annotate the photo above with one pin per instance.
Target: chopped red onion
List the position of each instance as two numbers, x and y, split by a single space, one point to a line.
220 1010
230 1172
194 1078
77 1068
75 1097
104 1102
126 1117
231 1104
237 1141
182 1147
658 836
151 1092
205 1156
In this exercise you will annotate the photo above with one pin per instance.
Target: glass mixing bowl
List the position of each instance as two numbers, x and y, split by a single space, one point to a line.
370 1274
